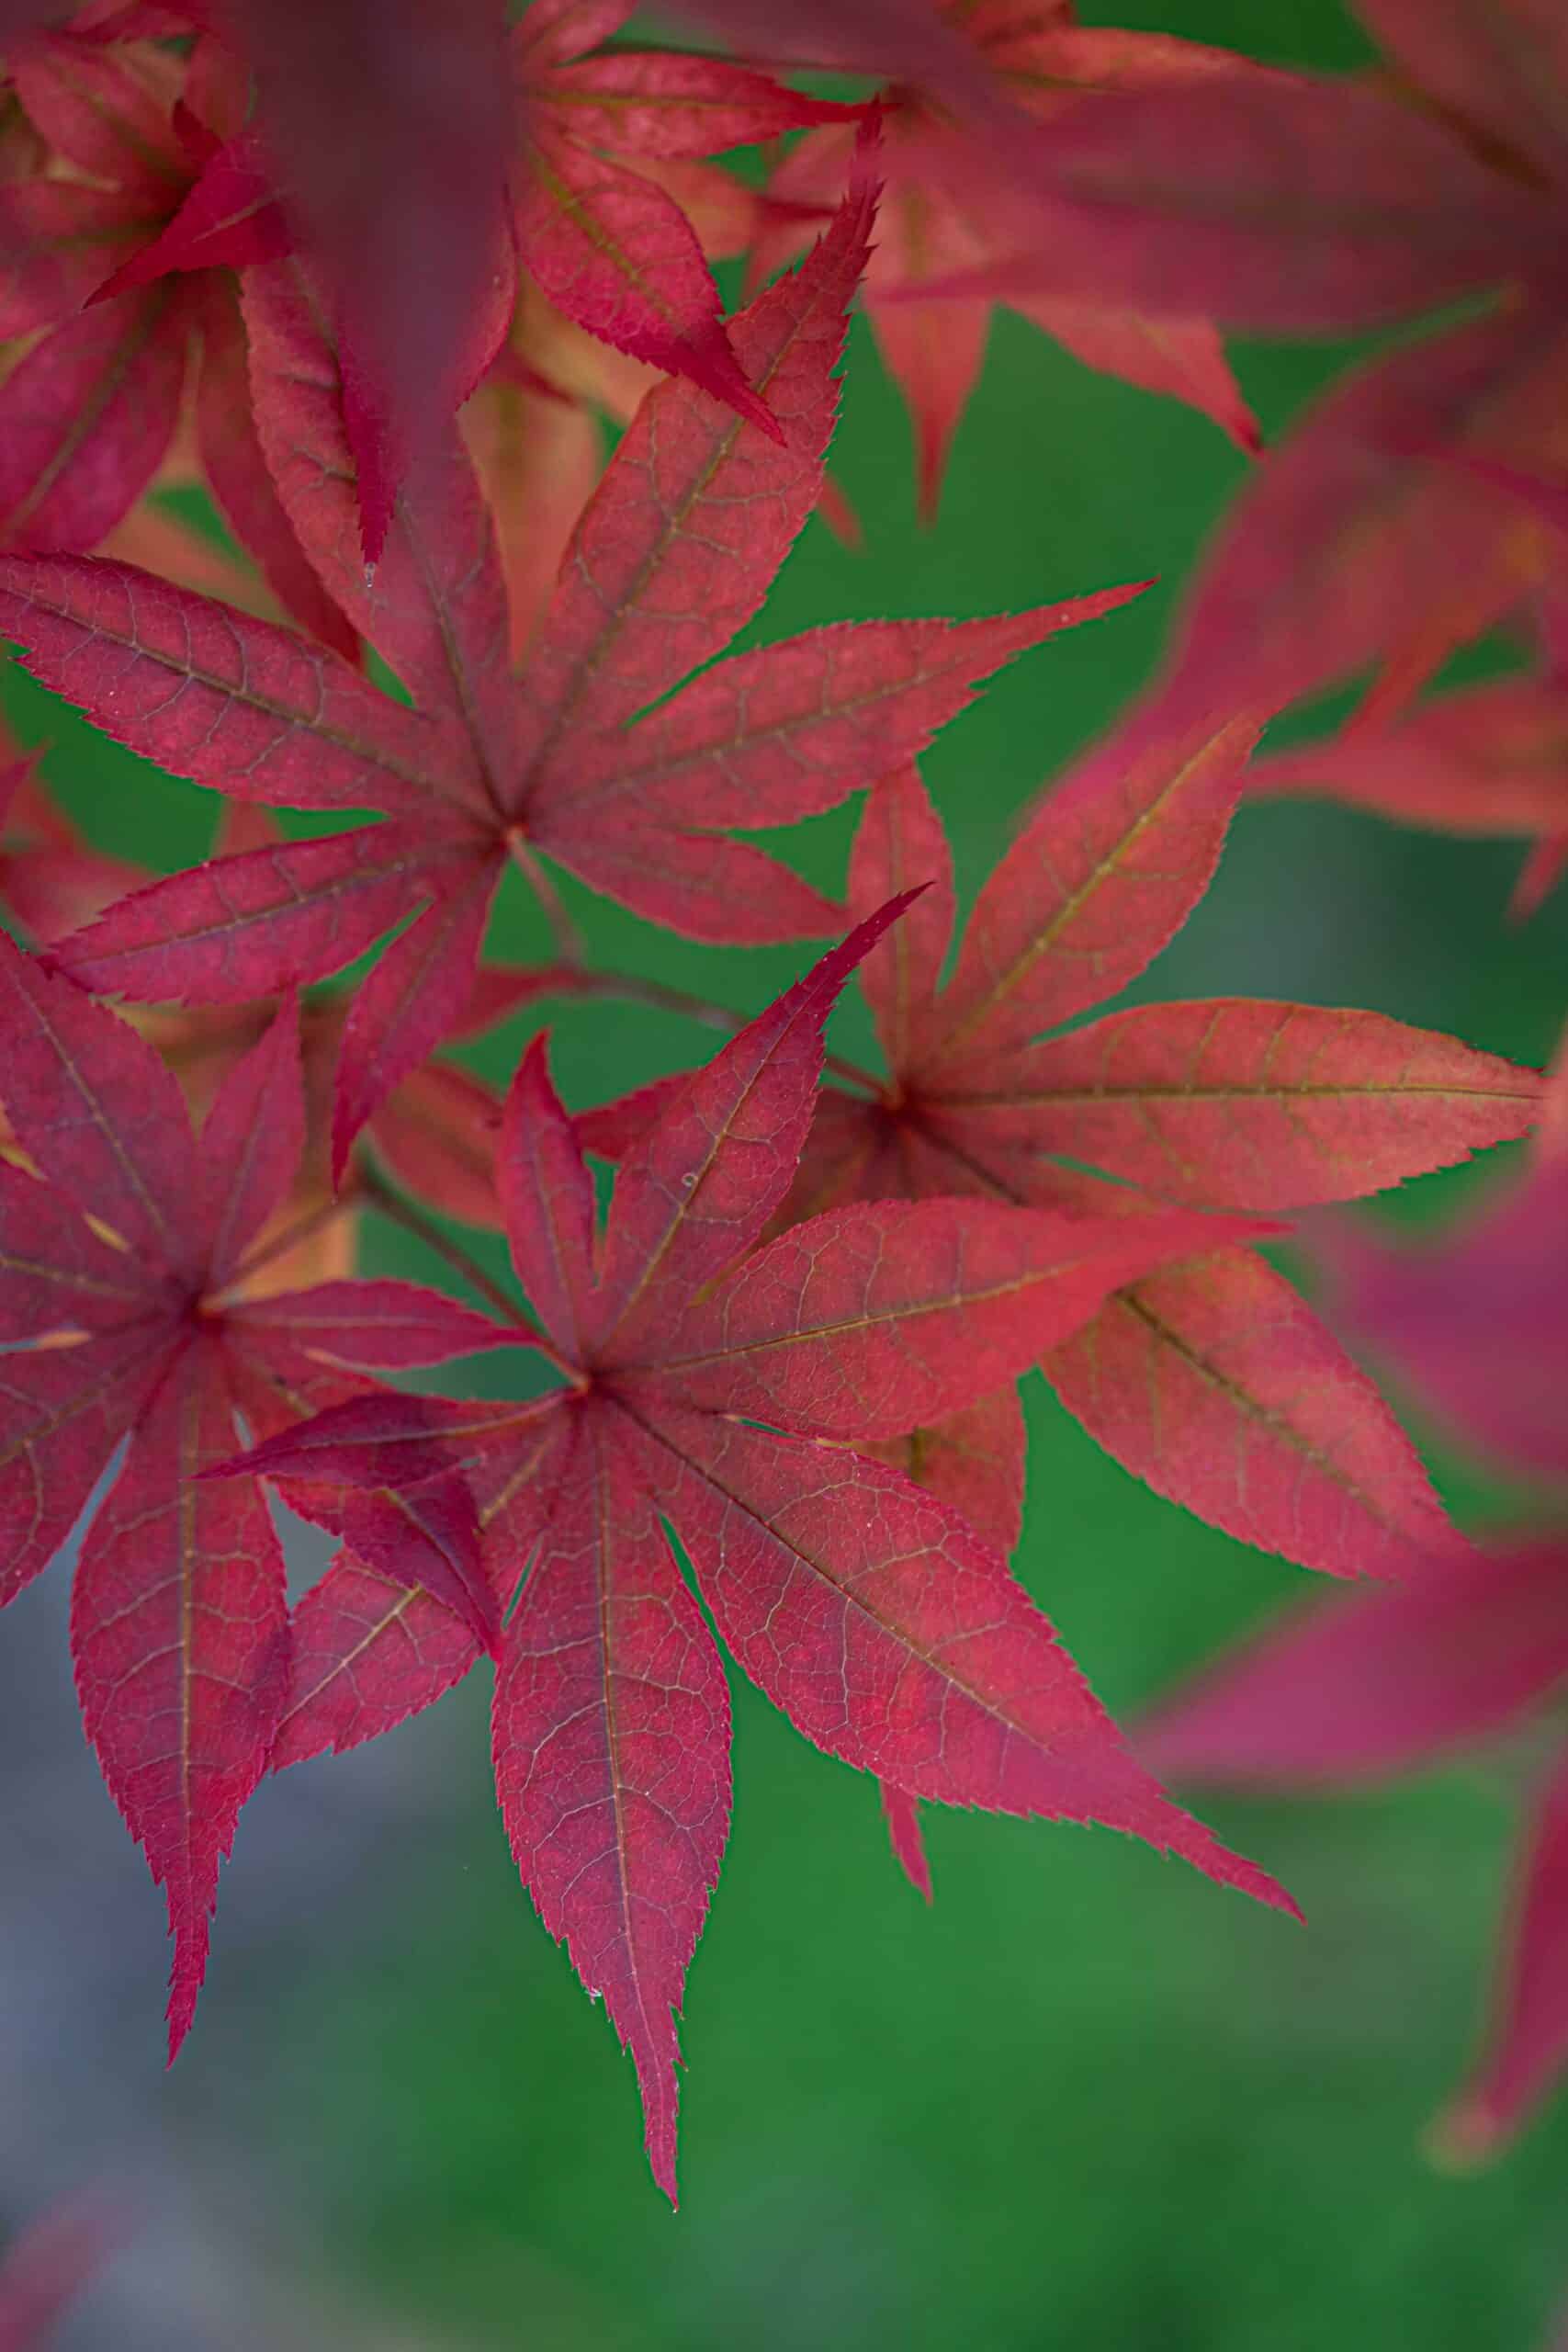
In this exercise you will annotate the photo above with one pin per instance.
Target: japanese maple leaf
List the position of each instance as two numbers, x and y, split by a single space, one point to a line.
1378 534
436 1131
674 551
122 1251
389 125
535 425
719 1387
1361 1687
1478 760
610 246
1284 202
1213 1380
1350 1692
940 216
87 415
1477 1320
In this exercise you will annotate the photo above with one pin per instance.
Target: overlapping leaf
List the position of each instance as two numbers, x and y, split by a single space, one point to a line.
124 1248
718 1394
1360 1687
1212 1380
90 411
673 553
1480 760
1351 1691
601 237
944 215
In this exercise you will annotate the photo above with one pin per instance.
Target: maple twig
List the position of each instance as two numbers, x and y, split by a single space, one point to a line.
568 938
300 1228
664 998
401 1211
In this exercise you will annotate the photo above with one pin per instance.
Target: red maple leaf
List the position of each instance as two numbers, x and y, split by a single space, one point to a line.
1359 1687
608 245
1214 1381
124 1251
88 413
1477 1321
1491 759
1351 1691
1278 202
1383 531
674 551
720 1388
1211 1379
436 1131
940 216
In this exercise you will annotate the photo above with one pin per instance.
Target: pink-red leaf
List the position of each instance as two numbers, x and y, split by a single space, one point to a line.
676 550
1108 868
248 926
98 1113
251 1143
1479 1323
367 1654
894 1639
870 1320
772 735
1528 2038
1216 1383
612 1761
230 219
1235 1103
410 1003
1365 1684
618 255
383 1325
85 419
547 1199
242 488
702 1186
210 693
393 126
179 1633
900 844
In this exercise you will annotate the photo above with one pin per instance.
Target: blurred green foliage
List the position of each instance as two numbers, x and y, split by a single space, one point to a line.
1087 2100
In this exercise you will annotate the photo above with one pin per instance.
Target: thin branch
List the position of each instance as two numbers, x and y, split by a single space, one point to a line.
309 1221
632 988
568 938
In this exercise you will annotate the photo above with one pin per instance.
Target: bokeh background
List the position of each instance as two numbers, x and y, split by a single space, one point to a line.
1085 2101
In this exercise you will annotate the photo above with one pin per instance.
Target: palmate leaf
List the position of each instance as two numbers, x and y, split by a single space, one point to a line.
1477 1321
673 553
1363 1686
118 1270
607 244
87 415
945 212
1480 760
715 1387
1272 200
1479 1644
1212 1380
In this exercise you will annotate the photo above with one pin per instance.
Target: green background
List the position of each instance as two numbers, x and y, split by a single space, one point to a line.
1087 2100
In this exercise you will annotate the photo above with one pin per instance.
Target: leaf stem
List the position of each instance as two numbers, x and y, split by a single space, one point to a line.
568 938
309 1221
636 990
